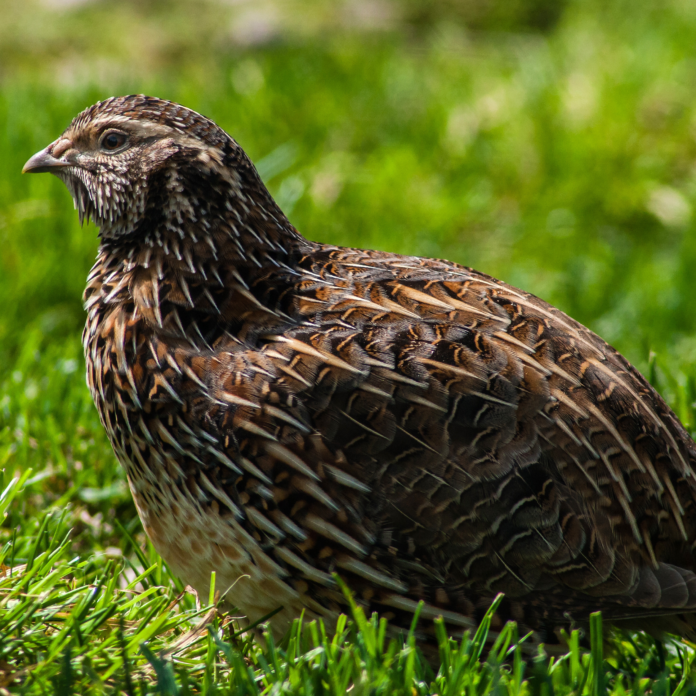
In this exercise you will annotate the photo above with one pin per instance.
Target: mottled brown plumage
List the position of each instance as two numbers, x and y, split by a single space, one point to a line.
285 410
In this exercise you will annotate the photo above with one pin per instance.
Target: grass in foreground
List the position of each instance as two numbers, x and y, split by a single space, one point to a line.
562 163
77 629
86 606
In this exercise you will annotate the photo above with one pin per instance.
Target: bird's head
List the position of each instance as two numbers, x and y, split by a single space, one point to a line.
138 162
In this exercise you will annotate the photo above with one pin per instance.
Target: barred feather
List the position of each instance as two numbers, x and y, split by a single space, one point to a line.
286 410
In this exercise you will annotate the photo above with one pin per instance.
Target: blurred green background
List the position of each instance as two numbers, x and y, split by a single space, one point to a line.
548 143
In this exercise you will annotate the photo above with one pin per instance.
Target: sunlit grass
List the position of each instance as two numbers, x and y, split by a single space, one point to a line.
562 163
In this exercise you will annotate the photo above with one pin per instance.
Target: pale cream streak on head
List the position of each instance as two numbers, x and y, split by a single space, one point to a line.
140 127
111 186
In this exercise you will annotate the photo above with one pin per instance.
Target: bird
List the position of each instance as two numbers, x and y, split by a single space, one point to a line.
299 417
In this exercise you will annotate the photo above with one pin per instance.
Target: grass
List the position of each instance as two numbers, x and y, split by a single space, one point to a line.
562 162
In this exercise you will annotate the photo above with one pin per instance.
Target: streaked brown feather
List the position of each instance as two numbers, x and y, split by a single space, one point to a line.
285 410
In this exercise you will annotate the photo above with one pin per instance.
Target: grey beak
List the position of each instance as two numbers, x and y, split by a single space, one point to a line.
44 161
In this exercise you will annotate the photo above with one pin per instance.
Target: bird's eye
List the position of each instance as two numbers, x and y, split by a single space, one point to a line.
113 141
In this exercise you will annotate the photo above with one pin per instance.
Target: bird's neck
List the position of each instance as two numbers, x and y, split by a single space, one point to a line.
198 212
218 272
200 240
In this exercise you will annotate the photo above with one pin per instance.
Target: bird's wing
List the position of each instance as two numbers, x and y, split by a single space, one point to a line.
507 447
421 428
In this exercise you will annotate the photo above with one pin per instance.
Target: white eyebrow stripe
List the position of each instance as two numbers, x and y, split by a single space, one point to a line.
145 128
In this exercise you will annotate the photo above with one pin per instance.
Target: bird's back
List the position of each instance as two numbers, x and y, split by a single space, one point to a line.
422 429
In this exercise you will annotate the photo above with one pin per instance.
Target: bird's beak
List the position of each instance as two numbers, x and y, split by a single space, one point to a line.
50 158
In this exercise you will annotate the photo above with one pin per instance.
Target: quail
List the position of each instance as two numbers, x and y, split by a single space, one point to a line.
289 413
